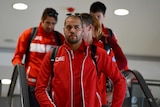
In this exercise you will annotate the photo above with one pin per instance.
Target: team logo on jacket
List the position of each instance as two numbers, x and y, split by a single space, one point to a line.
38 38
58 59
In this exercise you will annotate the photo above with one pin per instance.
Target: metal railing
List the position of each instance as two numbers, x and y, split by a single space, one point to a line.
19 70
145 89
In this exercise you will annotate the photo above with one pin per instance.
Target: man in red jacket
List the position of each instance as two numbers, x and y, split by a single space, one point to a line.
98 9
44 39
75 80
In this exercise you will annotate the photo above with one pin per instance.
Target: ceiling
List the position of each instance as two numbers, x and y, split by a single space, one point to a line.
138 33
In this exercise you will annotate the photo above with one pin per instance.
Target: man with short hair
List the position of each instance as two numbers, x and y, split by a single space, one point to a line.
75 79
98 9
44 39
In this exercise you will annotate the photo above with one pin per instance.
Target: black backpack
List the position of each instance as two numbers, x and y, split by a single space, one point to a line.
103 39
32 36
107 47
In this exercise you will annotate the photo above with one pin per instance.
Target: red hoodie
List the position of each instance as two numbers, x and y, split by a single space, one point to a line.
75 81
115 50
39 46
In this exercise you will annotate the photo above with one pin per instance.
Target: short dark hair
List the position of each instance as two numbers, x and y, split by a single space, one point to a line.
98 7
91 19
87 19
50 12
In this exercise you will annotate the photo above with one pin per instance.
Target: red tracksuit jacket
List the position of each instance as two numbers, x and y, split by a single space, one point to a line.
39 46
75 81
116 51
117 56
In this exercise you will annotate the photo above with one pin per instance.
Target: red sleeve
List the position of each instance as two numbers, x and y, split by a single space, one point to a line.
22 44
43 80
110 69
119 55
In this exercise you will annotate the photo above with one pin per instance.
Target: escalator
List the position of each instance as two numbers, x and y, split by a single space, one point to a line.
138 92
21 98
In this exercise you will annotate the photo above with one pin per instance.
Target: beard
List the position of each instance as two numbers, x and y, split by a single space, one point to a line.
73 39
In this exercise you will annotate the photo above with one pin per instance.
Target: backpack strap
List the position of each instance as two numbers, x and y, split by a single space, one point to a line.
109 86
57 35
93 54
52 58
103 38
110 32
33 34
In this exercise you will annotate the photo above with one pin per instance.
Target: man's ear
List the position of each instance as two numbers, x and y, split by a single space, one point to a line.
91 27
63 29
82 30
41 21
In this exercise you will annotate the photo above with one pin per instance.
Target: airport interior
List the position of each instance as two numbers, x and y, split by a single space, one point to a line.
138 34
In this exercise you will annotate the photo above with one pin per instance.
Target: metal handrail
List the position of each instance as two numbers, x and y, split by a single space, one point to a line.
143 86
20 70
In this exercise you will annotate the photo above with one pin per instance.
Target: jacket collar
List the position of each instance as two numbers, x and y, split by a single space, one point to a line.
82 47
41 30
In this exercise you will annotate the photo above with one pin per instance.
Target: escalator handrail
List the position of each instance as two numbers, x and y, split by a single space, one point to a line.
20 70
13 81
144 87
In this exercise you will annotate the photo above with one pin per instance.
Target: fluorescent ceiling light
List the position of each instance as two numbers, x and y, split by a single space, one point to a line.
6 81
121 12
20 6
